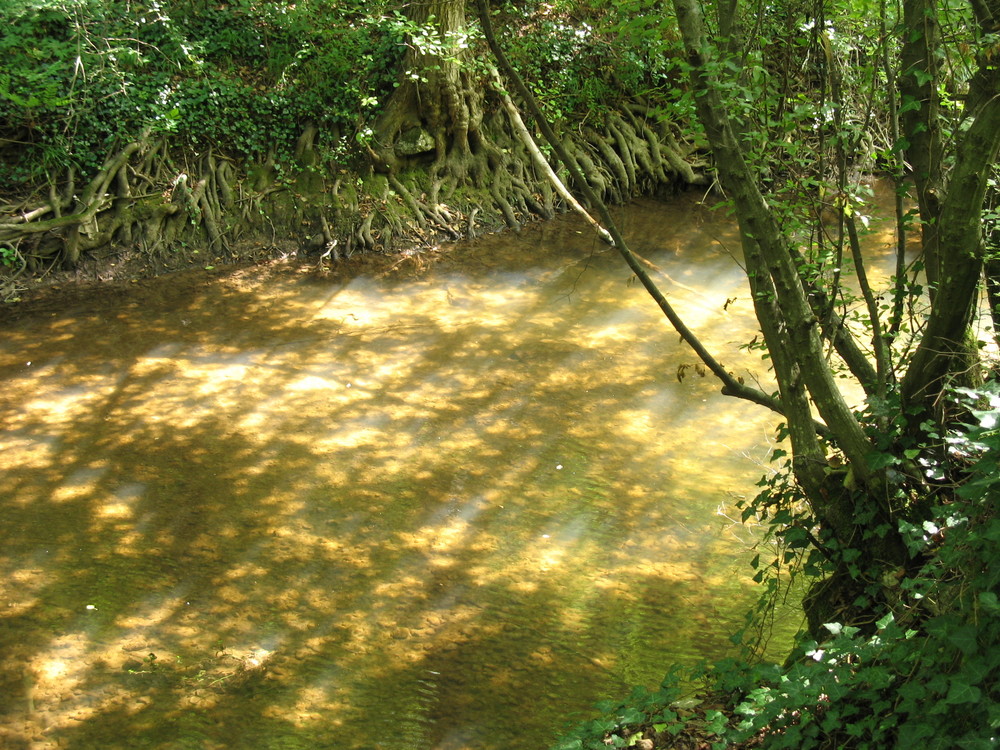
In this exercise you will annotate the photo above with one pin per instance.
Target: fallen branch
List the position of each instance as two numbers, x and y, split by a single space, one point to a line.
543 164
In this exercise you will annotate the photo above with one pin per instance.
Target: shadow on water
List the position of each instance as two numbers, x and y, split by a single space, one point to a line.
422 509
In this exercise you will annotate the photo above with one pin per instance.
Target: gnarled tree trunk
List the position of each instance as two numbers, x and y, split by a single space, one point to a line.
436 110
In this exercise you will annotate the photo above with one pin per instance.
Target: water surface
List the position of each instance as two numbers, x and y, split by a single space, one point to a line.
445 501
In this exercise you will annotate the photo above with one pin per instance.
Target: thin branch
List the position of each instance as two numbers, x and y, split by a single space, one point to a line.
730 385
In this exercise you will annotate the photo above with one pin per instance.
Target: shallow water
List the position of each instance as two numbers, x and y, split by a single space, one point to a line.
447 501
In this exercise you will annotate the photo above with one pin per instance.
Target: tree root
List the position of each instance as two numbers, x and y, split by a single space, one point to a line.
487 178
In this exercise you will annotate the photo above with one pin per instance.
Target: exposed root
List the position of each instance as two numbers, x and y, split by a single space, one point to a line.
484 175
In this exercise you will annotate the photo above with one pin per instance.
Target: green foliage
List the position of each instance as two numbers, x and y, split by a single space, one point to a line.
79 76
622 724
328 62
581 60
930 671
10 258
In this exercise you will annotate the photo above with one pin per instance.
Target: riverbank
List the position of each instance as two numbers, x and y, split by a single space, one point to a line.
118 269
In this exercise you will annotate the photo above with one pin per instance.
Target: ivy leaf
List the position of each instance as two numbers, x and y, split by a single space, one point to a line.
878 461
913 691
632 715
962 692
988 601
964 639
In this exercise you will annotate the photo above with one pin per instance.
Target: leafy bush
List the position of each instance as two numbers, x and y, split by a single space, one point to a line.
79 76
621 724
579 66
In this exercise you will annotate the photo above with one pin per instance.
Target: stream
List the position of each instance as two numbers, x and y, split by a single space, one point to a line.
442 501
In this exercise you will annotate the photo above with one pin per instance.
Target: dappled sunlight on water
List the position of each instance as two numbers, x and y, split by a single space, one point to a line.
446 508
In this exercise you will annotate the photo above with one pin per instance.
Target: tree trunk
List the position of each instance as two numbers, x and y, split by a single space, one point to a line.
435 110
944 349
760 230
920 119
848 506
